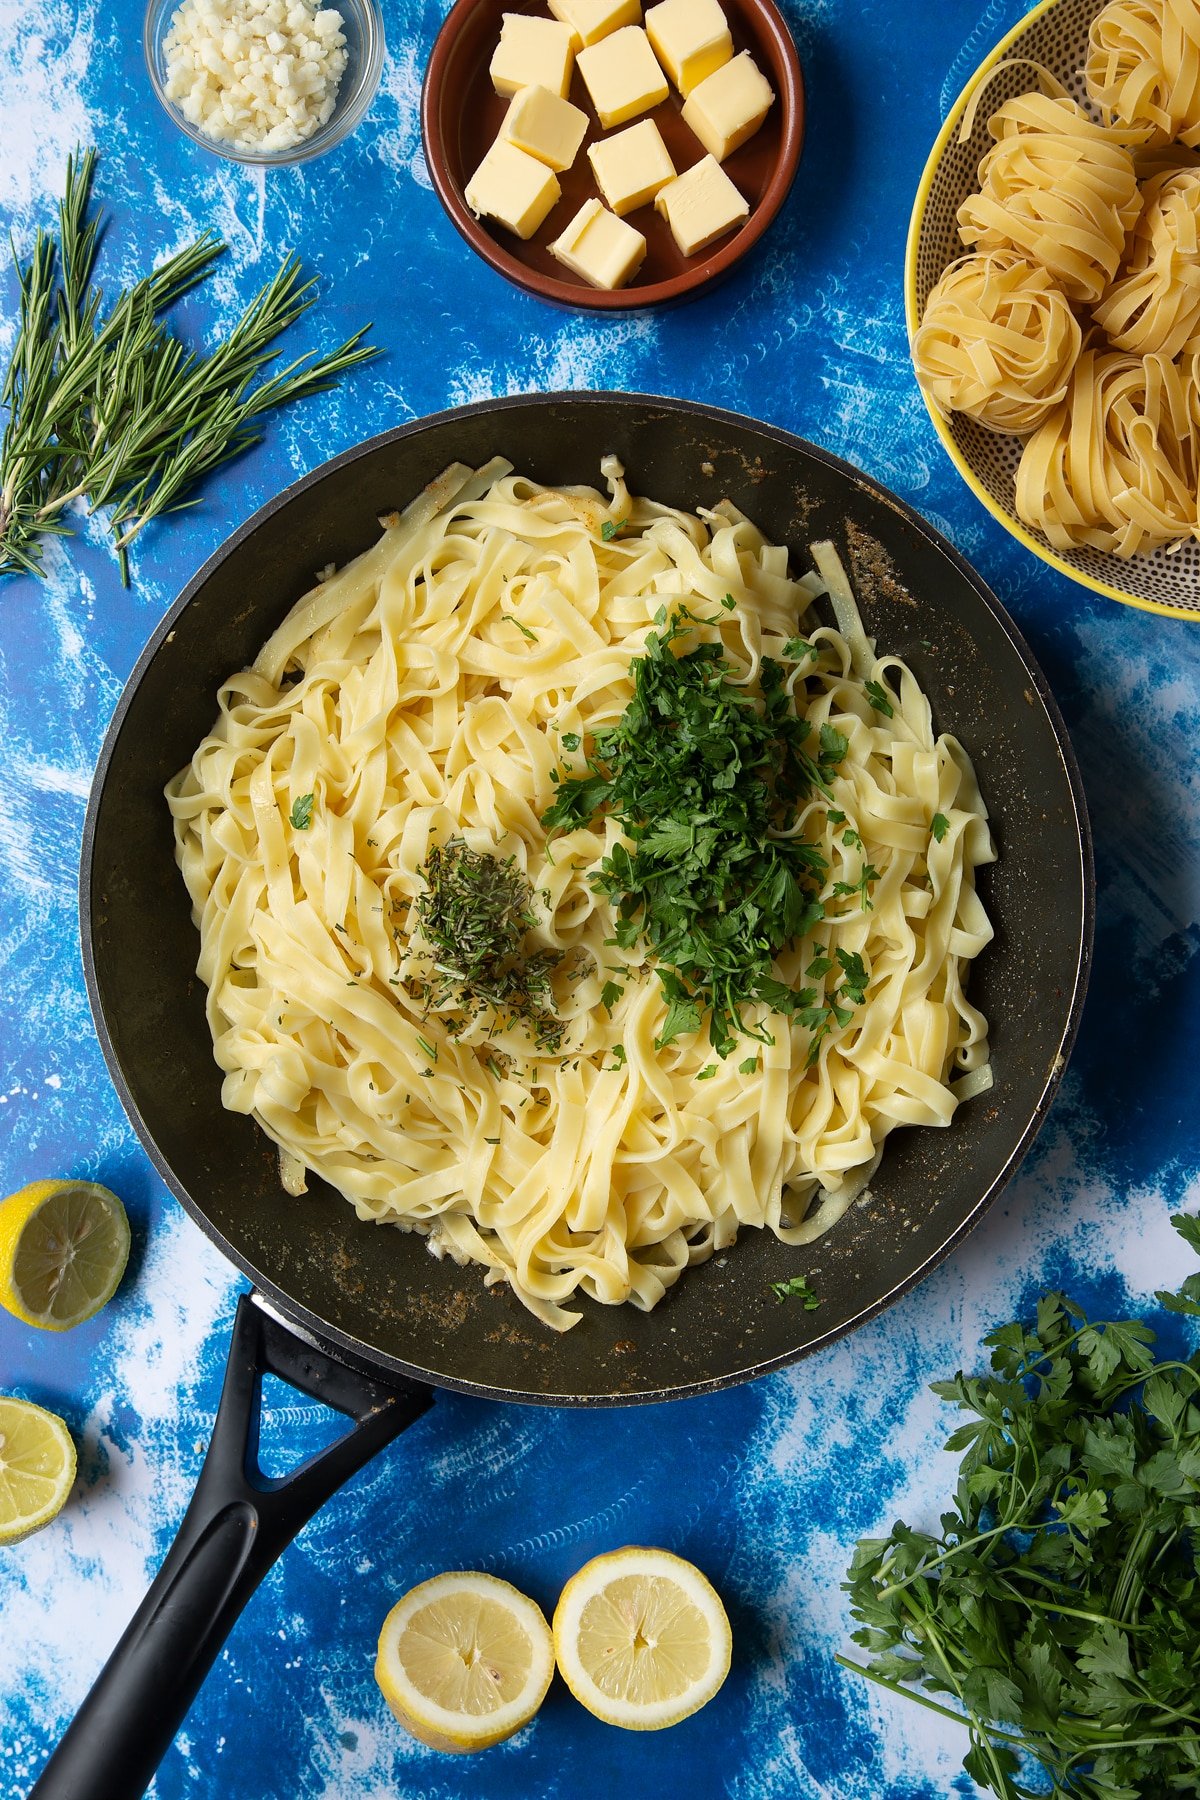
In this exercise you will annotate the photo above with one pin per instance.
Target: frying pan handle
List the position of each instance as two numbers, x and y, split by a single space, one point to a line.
238 1523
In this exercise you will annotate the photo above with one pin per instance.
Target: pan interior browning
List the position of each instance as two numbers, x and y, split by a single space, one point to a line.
378 1295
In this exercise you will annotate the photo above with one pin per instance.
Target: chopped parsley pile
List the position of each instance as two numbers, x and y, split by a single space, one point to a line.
706 779
1059 1605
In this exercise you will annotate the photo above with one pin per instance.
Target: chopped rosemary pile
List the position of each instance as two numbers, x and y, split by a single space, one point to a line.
705 779
1059 1604
105 405
474 916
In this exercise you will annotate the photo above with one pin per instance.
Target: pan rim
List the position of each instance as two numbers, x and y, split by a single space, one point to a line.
328 1334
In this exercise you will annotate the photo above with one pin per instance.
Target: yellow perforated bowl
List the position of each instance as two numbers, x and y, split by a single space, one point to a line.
1054 34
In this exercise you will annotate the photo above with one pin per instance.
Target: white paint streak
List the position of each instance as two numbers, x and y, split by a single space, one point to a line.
46 48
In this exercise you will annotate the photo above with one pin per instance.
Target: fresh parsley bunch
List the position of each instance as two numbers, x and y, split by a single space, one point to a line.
1059 1607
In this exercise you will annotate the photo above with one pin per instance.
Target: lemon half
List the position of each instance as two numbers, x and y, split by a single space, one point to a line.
641 1638
464 1661
63 1250
37 1467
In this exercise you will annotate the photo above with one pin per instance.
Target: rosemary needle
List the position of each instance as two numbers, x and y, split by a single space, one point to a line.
107 406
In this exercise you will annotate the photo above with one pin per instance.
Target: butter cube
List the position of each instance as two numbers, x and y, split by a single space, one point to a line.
622 76
690 38
600 248
700 205
590 20
544 125
514 189
728 106
632 166
532 53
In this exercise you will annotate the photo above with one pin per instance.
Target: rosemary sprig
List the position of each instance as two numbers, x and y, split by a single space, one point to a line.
108 406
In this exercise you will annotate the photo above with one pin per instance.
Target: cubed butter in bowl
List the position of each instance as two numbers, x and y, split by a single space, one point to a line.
514 189
701 205
600 248
546 126
634 142
728 106
691 39
590 20
631 166
532 53
622 76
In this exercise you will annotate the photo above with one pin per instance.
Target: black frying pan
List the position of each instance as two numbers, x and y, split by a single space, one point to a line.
364 1317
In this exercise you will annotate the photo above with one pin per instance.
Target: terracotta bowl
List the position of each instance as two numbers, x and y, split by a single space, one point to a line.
461 115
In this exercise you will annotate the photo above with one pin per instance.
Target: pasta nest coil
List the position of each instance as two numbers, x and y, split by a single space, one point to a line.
1143 69
1154 305
997 341
1057 189
1115 466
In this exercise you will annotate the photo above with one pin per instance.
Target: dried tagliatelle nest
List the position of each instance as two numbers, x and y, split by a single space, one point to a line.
1155 304
1057 188
998 341
1143 69
1115 465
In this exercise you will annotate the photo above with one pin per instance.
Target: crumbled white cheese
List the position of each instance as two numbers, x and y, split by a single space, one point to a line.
255 74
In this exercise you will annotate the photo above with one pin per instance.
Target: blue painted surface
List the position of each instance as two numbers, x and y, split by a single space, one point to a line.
766 1487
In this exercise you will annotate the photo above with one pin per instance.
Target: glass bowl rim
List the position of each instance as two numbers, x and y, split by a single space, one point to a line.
348 108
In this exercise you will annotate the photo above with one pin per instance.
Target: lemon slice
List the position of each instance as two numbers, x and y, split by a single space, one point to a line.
37 1467
641 1638
464 1661
63 1249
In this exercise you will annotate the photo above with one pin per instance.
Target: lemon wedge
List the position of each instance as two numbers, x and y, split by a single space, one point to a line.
63 1249
37 1467
464 1661
641 1638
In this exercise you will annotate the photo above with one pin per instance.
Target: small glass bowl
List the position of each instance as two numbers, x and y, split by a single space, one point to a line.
362 27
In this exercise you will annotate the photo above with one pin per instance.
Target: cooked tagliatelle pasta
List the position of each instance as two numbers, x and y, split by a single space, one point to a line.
427 696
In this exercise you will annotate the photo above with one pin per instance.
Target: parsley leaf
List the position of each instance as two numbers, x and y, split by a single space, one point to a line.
571 740
796 1288
302 811
683 1013
610 993
877 695
939 825
610 528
